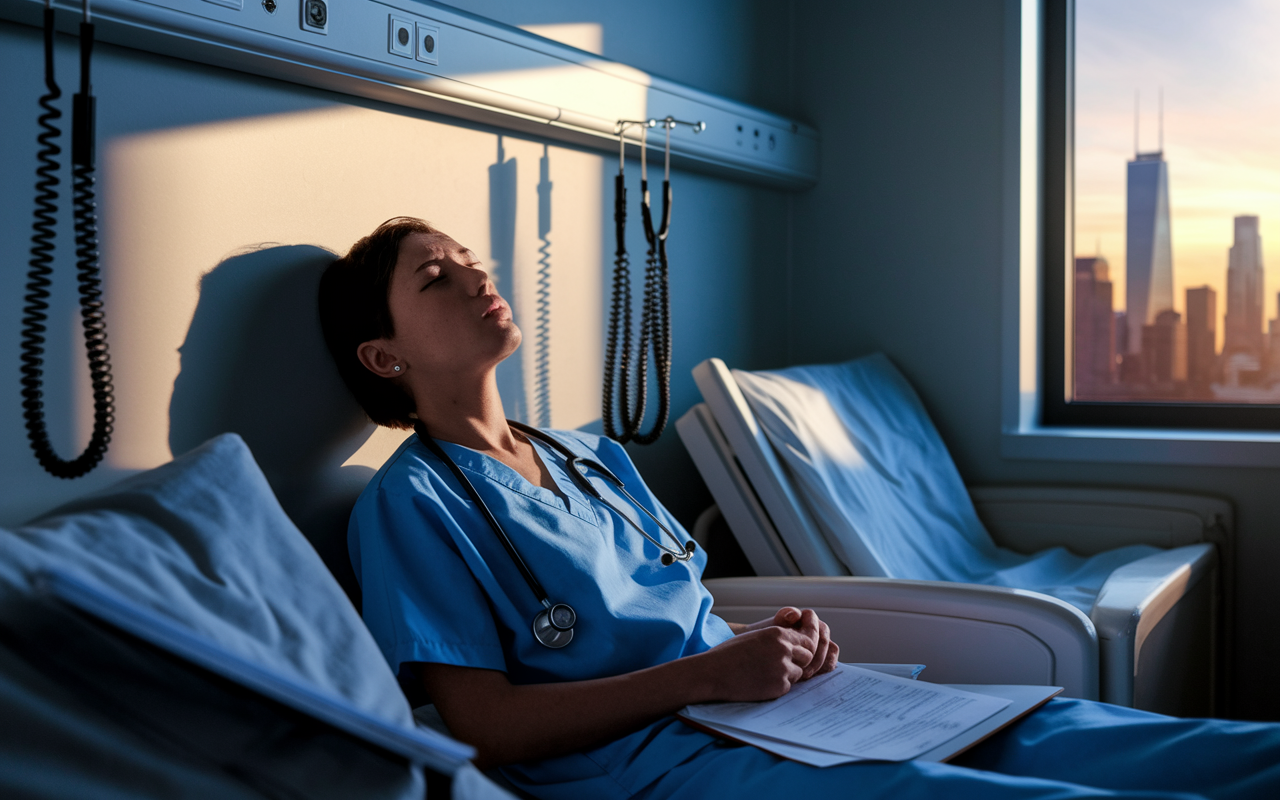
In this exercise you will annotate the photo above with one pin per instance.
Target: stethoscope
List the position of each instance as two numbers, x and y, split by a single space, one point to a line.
553 625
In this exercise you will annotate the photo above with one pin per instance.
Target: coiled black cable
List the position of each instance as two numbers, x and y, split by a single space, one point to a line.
655 316
44 231
619 314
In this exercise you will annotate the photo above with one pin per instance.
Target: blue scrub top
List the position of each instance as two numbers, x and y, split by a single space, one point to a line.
439 587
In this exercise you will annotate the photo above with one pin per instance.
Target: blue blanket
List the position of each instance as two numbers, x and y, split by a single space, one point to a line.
864 456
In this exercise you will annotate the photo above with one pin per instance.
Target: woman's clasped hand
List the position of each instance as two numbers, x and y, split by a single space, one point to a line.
766 658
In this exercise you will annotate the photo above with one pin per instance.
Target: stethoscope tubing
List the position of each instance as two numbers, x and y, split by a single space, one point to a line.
534 585
572 460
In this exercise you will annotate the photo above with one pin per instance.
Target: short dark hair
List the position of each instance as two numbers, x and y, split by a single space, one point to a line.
354 310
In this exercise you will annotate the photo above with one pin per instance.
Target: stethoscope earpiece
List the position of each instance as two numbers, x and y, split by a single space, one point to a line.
670 558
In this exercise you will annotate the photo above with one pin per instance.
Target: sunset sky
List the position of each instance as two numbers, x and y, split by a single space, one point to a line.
1219 66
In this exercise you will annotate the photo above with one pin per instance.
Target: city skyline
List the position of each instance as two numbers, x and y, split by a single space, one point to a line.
1148 351
1216 69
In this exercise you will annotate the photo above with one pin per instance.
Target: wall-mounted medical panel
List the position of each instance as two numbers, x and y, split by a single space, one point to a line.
439 59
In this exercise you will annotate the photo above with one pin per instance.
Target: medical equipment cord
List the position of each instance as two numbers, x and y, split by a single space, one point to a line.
655 315
35 316
426 438
553 625
619 313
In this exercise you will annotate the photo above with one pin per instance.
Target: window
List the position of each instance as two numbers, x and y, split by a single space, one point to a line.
1161 159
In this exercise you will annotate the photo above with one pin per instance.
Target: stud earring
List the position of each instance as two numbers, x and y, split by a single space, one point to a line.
397 368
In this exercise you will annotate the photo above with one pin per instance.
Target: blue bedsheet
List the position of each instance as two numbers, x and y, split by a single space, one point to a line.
870 465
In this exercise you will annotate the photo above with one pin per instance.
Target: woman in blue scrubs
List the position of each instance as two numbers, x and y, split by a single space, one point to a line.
417 331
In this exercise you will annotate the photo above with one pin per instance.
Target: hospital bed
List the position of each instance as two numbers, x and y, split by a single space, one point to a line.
1151 637
177 635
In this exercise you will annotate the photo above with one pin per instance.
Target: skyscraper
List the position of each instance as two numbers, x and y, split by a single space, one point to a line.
1202 331
1095 349
1164 349
1243 325
1148 248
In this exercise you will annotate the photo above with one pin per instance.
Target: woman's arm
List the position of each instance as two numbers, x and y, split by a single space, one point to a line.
509 724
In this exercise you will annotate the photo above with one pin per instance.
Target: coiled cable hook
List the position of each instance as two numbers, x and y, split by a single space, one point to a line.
44 234
619 310
655 316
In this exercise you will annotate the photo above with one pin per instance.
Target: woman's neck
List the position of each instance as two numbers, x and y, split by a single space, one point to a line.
469 412
466 411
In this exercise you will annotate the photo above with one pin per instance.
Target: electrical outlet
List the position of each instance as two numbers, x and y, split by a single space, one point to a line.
428 43
315 16
401 41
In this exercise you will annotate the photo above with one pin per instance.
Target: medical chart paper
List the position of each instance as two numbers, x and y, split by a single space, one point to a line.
856 712
1025 699
901 670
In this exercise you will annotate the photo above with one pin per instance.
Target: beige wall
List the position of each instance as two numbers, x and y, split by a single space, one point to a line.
244 183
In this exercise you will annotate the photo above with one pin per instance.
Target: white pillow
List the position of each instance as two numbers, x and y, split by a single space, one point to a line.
202 541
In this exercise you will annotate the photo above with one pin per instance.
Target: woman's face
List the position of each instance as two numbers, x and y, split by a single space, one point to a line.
448 316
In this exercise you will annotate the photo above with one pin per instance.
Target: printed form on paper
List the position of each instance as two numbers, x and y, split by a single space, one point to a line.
856 712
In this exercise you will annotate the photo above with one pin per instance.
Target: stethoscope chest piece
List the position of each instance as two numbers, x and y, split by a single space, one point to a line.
553 627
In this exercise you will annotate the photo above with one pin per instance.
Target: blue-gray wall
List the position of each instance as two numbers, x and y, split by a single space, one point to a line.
899 249
199 165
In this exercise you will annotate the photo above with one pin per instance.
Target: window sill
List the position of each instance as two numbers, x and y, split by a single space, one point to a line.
1143 446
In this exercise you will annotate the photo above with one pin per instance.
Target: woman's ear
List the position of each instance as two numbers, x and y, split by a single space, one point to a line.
377 357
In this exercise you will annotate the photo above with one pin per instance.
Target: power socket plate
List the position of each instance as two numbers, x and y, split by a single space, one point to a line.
427 43
315 16
401 38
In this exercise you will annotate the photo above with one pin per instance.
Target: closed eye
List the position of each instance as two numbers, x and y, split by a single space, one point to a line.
431 283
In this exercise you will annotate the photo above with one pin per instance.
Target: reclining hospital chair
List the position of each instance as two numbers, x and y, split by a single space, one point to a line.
834 471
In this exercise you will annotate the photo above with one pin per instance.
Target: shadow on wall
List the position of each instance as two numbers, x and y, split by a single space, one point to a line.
502 251
536 327
254 362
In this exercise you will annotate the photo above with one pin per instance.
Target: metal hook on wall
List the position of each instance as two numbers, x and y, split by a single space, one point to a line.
621 128
669 123
617 358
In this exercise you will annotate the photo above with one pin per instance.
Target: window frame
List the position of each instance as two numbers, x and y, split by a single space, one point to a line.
1057 207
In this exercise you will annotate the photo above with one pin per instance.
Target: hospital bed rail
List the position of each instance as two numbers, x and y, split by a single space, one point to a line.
1142 603
962 633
